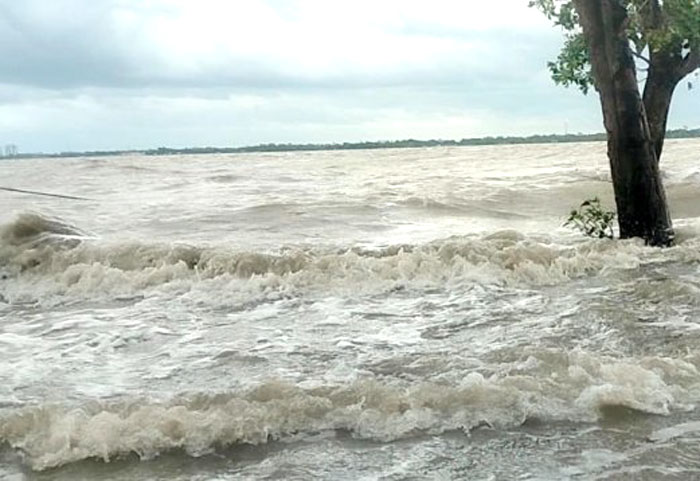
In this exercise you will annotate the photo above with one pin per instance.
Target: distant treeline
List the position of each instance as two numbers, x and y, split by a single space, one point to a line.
391 144
408 143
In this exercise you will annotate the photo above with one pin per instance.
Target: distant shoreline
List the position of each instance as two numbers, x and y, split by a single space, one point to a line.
393 144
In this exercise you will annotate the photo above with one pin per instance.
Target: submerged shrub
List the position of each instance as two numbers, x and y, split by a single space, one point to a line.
592 220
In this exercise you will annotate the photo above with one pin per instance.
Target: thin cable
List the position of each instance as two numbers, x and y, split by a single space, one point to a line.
46 194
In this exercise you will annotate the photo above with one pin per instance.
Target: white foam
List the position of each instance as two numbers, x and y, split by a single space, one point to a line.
50 272
558 386
666 434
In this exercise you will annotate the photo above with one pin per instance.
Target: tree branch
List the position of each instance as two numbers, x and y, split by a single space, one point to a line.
652 14
641 57
690 63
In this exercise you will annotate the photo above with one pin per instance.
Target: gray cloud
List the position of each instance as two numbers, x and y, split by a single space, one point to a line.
41 48
113 74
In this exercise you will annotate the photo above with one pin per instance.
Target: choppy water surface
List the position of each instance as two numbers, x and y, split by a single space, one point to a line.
389 314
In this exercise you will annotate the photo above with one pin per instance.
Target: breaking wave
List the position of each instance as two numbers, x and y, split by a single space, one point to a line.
31 230
548 386
47 259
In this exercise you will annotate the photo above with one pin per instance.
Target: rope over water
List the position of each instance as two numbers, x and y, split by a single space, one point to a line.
46 194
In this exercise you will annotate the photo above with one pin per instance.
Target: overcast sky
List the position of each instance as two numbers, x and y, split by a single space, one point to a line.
121 74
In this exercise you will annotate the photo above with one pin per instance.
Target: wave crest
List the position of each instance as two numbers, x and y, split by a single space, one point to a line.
33 229
551 386
87 268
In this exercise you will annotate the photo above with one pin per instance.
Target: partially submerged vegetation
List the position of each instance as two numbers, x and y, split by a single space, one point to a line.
592 220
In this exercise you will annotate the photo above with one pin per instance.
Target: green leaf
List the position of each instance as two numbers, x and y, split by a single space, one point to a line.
592 220
674 31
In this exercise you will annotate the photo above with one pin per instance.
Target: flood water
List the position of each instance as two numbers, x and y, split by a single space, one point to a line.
388 314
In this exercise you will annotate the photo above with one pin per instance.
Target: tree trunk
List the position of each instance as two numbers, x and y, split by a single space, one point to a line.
669 63
661 77
639 194
666 70
658 93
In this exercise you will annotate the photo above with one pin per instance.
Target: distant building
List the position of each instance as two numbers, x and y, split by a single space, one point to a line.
11 150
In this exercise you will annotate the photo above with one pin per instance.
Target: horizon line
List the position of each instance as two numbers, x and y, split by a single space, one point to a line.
679 133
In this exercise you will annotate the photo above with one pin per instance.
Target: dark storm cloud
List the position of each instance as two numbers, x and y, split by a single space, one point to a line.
39 46
71 44
114 74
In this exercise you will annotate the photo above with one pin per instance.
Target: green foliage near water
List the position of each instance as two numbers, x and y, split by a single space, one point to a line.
592 220
671 27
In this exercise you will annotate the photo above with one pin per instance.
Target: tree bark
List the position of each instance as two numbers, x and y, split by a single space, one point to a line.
666 70
639 194
658 92
661 81
667 67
